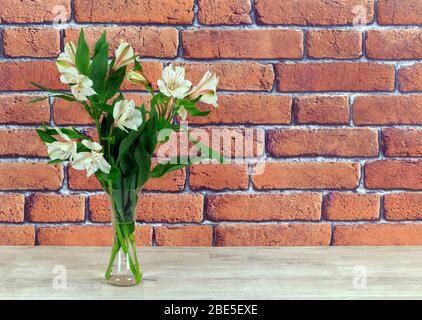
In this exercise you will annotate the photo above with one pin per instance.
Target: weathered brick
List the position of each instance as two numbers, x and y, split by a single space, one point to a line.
147 41
44 73
35 11
183 235
335 76
144 11
402 142
323 142
21 143
401 12
235 76
321 110
264 207
403 206
16 109
342 206
219 177
410 78
17 235
247 109
31 42
377 235
55 208
273 235
154 208
394 44
87 235
12 207
393 174
30 176
307 175
258 44
385 110
314 12
340 44
224 12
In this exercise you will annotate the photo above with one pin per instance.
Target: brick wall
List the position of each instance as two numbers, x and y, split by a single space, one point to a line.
340 105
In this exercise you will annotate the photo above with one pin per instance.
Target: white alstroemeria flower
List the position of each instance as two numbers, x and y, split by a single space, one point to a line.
126 115
59 150
124 55
173 83
91 161
137 78
206 88
67 59
81 86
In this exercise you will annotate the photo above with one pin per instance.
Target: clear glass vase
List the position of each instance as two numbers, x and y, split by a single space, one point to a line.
123 268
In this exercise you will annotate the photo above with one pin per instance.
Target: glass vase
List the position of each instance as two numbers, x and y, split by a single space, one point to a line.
123 268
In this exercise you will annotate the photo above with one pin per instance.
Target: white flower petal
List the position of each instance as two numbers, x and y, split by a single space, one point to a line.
92 145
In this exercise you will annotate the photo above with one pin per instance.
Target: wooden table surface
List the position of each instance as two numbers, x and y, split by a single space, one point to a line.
217 273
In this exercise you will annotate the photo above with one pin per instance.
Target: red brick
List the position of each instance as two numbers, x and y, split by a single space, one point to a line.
321 110
147 41
248 109
30 176
87 235
12 207
224 12
402 142
35 11
250 76
323 142
16 109
308 175
21 143
230 141
401 12
335 76
31 42
154 208
152 71
144 11
219 177
44 73
173 181
258 44
343 206
17 235
264 207
68 113
55 208
410 78
393 174
403 206
273 235
377 235
183 235
394 44
312 12
385 110
340 44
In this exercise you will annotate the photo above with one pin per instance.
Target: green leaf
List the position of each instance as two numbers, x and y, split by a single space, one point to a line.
114 82
55 161
192 109
161 169
45 137
99 66
100 42
50 90
82 55
127 143
103 107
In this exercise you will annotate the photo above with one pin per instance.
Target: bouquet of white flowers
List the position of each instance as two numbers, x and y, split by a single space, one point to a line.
128 134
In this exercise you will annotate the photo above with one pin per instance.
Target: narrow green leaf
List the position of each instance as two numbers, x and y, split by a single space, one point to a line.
82 55
99 67
45 137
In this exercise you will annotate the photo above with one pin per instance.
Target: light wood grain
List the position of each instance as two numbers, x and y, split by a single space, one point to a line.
217 273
